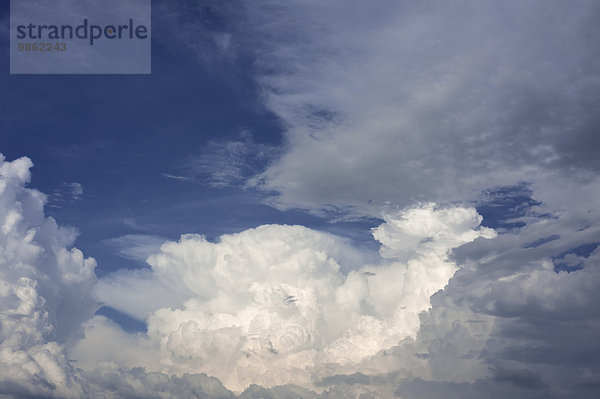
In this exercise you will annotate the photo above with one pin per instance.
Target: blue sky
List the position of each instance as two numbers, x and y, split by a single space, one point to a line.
121 137
391 200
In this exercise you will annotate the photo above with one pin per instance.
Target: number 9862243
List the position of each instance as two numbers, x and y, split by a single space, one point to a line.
42 47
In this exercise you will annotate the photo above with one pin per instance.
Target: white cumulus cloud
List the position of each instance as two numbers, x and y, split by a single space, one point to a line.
446 308
44 290
272 305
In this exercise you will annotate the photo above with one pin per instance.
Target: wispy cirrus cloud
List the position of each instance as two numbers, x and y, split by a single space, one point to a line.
226 163
65 194
176 177
136 247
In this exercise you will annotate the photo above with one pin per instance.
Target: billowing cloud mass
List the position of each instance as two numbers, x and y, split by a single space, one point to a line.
44 290
446 307
469 129
271 305
45 287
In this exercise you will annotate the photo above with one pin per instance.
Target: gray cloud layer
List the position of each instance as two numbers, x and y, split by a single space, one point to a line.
399 101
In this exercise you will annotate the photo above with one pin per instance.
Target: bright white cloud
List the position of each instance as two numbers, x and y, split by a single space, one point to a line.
45 298
44 290
271 305
441 310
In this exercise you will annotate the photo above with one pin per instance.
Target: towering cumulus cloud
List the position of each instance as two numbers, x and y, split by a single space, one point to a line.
44 290
446 307
45 287
271 305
